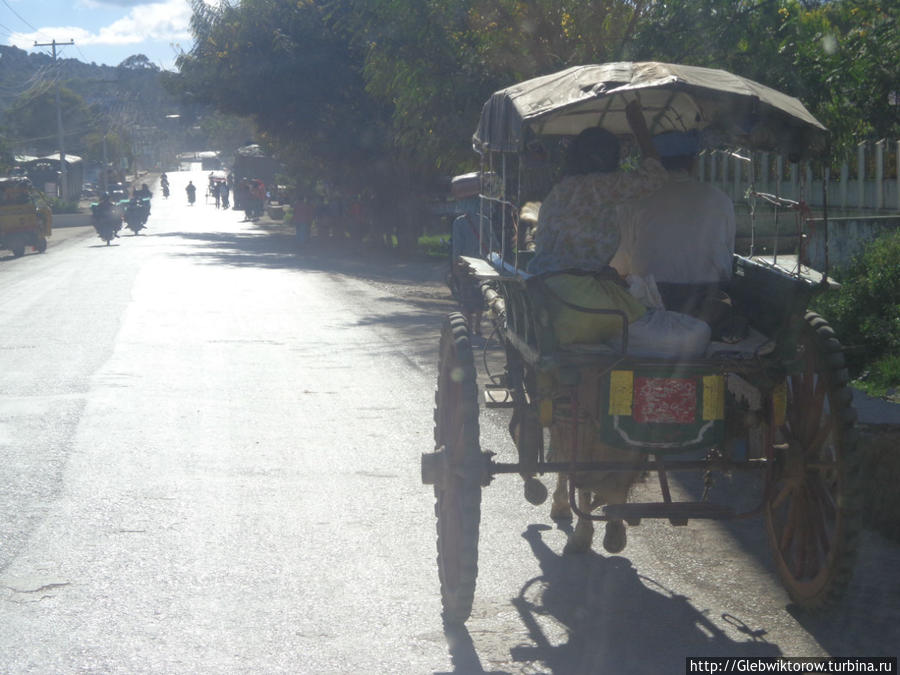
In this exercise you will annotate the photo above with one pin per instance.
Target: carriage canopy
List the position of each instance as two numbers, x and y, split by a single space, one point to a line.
727 109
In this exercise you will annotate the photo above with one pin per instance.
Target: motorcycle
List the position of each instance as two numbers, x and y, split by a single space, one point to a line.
136 213
107 221
165 190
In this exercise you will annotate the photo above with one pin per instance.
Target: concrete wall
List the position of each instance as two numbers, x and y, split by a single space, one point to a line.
71 219
847 237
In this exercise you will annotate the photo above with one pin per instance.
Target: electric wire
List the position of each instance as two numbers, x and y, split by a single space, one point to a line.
19 16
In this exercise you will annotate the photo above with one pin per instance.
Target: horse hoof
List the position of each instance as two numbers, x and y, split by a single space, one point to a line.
615 538
560 511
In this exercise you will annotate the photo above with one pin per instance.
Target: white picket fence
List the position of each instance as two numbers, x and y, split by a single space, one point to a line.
858 186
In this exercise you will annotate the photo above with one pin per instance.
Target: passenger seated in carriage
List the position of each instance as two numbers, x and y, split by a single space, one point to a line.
577 236
683 236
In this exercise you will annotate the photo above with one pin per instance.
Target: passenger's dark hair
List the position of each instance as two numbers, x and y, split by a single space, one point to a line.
594 150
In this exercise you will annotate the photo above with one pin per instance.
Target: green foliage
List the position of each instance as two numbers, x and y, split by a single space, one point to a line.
62 206
127 104
382 96
435 245
33 117
138 62
831 55
6 155
866 311
109 145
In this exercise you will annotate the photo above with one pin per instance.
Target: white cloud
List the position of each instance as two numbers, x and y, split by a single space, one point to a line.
155 21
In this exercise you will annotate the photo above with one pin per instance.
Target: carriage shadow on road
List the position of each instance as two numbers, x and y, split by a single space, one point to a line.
615 619
865 620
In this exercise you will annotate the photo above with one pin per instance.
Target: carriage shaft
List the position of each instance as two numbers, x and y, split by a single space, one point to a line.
495 468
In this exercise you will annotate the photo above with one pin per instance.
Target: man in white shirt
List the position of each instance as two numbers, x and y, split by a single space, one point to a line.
682 234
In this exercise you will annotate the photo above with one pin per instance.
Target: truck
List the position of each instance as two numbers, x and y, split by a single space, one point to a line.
25 216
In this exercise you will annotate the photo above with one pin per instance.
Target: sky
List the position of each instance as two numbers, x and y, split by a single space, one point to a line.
105 32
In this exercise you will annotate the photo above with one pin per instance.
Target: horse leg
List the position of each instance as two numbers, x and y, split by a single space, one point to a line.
583 534
560 509
615 491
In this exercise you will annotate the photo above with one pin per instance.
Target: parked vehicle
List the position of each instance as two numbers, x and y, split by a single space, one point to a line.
25 216
777 405
118 191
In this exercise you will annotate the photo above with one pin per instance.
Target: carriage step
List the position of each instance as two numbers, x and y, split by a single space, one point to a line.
497 396
678 513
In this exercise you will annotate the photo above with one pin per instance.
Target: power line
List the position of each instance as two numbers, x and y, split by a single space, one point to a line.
9 7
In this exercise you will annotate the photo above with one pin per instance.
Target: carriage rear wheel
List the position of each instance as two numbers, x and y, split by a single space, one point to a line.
458 486
812 507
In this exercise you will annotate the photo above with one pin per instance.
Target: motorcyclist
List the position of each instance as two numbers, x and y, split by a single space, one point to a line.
104 210
164 182
143 192
137 206
103 207
191 190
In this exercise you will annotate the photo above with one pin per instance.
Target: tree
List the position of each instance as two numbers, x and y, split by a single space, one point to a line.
839 53
828 54
295 72
138 62
385 94
105 147
6 155
33 118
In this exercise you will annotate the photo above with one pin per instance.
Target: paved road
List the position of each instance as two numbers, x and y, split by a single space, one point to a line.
209 463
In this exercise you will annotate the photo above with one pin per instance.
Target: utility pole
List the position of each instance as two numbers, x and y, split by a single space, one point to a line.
63 186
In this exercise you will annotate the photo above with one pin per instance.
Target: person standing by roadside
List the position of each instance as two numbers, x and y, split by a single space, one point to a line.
242 198
302 217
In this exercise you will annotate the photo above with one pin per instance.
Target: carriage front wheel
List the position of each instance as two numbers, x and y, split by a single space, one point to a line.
456 470
812 509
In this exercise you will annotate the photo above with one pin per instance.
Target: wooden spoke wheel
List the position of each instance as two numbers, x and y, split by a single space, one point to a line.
812 507
458 486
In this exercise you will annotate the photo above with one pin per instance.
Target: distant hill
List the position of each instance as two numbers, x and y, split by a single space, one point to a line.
21 71
131 94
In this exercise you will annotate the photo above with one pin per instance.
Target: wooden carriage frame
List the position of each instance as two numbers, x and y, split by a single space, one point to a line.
801 414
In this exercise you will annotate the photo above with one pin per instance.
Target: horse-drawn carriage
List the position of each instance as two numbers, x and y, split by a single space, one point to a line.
215 186
774 403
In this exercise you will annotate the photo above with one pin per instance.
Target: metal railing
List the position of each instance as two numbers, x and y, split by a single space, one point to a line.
865 184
